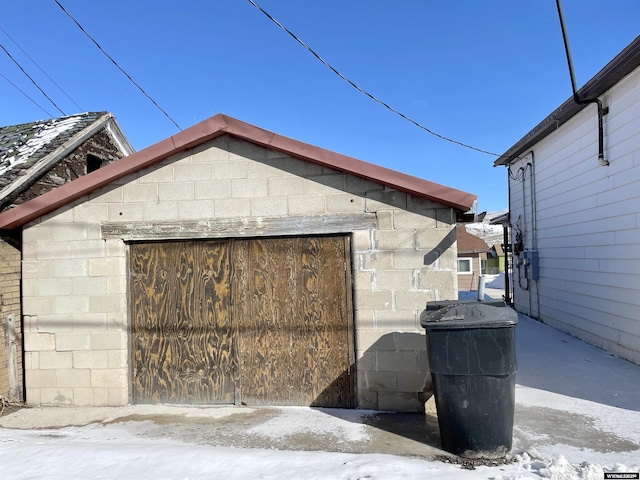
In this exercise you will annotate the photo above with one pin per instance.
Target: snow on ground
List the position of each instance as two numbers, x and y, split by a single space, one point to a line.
577 416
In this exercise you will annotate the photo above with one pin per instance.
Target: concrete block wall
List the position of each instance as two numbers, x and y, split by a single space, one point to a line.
75 296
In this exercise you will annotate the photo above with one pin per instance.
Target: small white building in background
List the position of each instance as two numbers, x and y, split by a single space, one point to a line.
575 218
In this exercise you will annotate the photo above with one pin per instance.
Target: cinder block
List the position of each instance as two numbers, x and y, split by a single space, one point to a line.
400 402
367 361
101 397
37 305
385 200
90 322
368 340
412 381
190 172
232 207
125 212
106 267
175 191
394 279
428 239
78 267
216 150
52 250
56 396
88 285
364 319
37 269
408 259
412 300
230 170
242 150
159 173
353 184
376 260
380 381
367 400
111 378
110 340
364 280
394 239
385 219
398 361
361 241
249 188
55 360
157 212
87 248
53 323
285 186
83 397
73 378
51 287
117 397
212 190
411 341
40 379
116 285
398 320
307 204
339 203
326 184
422 205
406 220
39 342
195 209
300 168
116 248
266 168
269 207
379 300
75 304
444 281
106 195
136 192
87 212
72 341
118 358
57 216
91 359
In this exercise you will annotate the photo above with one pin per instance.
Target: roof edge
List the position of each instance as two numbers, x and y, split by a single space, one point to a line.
210 129
622 65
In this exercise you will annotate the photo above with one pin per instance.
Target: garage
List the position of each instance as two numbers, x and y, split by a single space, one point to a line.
260 321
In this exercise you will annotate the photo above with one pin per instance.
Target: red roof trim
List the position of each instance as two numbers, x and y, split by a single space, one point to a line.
208 130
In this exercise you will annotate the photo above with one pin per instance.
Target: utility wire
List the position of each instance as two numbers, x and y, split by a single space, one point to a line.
118 66
32 80
23 93
372 97
41 69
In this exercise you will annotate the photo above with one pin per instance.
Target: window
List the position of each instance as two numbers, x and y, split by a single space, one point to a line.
93 163
465 266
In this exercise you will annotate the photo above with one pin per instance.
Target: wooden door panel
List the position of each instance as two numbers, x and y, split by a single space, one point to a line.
181 330
293 314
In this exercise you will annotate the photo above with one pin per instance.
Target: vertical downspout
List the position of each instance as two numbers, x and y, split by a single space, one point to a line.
534 223
576 98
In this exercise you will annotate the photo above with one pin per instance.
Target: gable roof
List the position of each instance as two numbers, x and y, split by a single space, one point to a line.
210 129
468 243
622 65
30 149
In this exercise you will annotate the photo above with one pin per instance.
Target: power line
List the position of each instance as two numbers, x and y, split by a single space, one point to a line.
32 80
23 93
118 66
41 69
372 97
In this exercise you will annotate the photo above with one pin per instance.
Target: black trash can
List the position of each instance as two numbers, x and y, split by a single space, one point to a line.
472 356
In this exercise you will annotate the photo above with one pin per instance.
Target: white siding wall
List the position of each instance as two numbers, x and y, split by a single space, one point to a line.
588 225
75 277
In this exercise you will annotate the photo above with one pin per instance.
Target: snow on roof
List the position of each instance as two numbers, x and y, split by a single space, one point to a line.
41 135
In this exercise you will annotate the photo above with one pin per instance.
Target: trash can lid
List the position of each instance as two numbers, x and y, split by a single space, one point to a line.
469 315
438 304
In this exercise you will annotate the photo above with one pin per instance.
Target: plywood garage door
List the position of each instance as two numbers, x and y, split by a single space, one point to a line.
260 322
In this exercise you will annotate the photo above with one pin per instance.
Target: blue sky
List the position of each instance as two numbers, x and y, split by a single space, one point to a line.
481 72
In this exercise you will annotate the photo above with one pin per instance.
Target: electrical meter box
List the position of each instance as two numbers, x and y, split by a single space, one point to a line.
529 259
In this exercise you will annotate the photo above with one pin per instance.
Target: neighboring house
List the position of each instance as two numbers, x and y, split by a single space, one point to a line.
495 260
472 254
34 159
229 264
575 217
